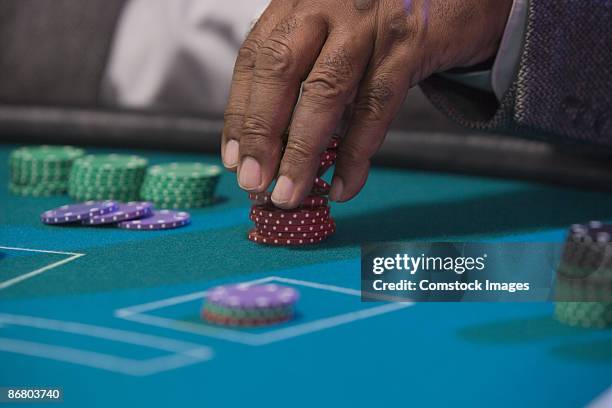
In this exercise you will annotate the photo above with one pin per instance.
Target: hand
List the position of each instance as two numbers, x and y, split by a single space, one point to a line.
363 53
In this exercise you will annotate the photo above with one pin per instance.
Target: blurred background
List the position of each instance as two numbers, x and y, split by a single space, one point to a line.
156 74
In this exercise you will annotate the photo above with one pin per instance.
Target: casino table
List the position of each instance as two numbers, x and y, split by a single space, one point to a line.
112 316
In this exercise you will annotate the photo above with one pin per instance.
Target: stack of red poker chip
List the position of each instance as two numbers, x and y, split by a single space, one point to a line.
310 223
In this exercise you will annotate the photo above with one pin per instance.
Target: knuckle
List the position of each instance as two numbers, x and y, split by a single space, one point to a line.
275 59
232 115
401 28
299 152
247 55
331 77
256 128
322 87
374 103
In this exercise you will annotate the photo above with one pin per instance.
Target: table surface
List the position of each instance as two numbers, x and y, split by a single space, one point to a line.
112 315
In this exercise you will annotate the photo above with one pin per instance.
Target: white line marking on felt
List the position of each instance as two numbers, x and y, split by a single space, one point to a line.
101 332
329 322
96 360
133 313
184 353
603 401
321 286
210 331
158 304
20 278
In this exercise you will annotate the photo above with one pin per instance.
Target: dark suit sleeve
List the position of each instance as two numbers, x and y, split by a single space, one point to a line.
562 92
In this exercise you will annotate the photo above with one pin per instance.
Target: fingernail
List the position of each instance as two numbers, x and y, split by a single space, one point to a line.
283 191
230 155
335 194
249 175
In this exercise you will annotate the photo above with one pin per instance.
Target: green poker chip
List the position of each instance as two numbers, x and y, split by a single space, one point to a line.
41 171
584 314
111 162
47 154
37 191
107 177
181 185
257 313
184 171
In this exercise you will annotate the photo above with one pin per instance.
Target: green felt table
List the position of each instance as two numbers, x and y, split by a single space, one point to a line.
112 315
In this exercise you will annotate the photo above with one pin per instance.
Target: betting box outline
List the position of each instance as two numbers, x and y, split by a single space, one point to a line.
71 257
181 353
137 313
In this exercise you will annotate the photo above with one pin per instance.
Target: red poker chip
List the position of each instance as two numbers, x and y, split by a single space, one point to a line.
297 228
328 155
297 214
289 221
310 201
334 143
324 166
255 236
316 234
319 182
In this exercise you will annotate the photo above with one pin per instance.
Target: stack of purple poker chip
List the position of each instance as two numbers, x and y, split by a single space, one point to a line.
78 212
125 211
137 215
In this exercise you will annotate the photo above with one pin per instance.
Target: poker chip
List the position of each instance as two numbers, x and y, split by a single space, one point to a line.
255 236
298 214
41 171
181 185
303 235
333 143
158 220
262 227
246 296
77 212
288 221
591 315
107 176
128 211
243 322
321 186
310 223
308 202
249 313
587 250
246 305
583 288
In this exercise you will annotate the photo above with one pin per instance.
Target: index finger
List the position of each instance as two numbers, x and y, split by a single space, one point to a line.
240 88
326 93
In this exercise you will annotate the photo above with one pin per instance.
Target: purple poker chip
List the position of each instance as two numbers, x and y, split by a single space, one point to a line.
125 211
77 212
245 296
159 220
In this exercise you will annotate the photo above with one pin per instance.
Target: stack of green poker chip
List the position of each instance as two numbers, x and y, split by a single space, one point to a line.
181 185
583 290
107 177
274 313
41 171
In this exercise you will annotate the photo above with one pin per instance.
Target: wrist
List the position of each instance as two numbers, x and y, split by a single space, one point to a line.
469 33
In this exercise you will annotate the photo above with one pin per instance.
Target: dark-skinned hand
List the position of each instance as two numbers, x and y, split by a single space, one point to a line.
362 53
